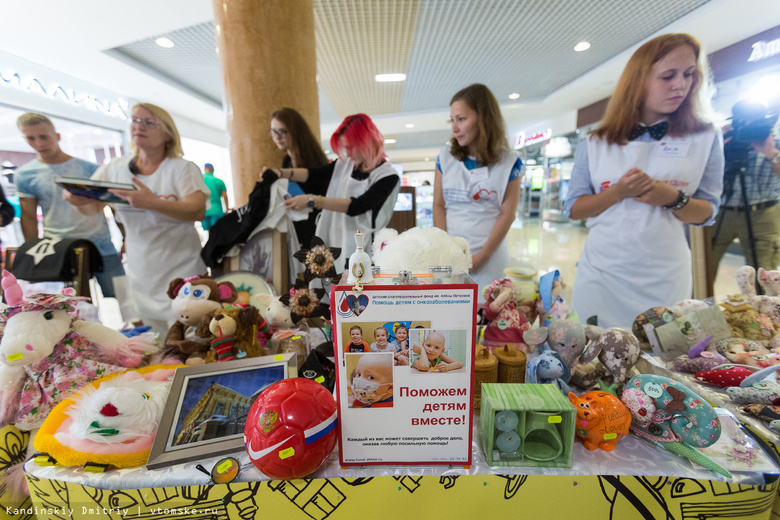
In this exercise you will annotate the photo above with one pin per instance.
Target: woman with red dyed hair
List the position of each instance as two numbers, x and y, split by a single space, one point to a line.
654 164
360 186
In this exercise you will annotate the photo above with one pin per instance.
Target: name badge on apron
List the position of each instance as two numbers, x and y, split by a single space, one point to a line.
679 150
479 174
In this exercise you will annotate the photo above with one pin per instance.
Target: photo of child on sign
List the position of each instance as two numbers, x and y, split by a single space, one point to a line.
436 351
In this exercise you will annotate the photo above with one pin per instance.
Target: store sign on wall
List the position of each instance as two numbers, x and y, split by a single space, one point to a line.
522 140
118 108
762 50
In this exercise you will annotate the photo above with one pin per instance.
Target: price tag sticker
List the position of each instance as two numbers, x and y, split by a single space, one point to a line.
320 380
279 357
554 419
287 453
15 357
610 436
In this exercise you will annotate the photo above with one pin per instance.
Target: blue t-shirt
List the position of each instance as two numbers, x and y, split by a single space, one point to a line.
61 220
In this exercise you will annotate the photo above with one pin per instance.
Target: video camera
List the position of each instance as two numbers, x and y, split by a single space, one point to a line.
751 122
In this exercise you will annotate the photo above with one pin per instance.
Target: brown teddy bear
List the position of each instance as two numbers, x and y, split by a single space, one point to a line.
233 333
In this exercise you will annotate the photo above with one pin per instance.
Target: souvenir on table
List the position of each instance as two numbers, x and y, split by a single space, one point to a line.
549 368
702 356
111 421
669 413
726 376
735 450
511 364
505 322
680 334
602 419
550 304
759 388
685 307
526 425
485 371
234 332
654 317
769 303
746 352
566 337
390 390
617 349
418 249
745 322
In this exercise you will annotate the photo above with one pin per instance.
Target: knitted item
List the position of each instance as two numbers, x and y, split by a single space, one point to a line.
224 348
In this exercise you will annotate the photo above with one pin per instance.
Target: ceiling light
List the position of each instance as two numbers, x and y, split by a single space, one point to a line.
384 78
98 131
427 158
162 41
409 125
390 141
582 46
514 95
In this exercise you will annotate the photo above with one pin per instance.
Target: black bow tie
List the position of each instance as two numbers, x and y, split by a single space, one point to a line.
657 131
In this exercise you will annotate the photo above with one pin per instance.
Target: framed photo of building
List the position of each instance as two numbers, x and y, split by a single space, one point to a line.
208 405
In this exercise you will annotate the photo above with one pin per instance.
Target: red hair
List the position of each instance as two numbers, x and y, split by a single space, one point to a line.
361 135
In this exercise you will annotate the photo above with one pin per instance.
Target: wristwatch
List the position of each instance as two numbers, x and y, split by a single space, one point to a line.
682 200
311 201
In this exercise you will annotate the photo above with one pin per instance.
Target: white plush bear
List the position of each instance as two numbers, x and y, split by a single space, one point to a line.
419 248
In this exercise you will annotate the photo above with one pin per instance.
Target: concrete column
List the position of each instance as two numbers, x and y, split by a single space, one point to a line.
268 61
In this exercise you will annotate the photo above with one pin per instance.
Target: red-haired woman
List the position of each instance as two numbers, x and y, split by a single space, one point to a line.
360 187
654 164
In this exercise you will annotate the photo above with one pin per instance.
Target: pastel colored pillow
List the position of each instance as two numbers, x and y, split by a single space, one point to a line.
760 393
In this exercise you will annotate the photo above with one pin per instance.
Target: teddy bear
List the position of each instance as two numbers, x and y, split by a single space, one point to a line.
192 299
234 332
419 248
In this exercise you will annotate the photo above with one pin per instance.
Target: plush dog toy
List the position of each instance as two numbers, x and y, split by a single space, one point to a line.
419 248
275 313
234 332
192 299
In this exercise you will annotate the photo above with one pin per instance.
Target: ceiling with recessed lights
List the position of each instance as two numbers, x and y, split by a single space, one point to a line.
522 47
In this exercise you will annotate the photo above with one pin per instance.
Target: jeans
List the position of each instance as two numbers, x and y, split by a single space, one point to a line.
112 266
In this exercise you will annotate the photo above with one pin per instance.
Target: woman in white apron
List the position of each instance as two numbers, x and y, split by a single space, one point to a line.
360 187
161 242
653 165
477 183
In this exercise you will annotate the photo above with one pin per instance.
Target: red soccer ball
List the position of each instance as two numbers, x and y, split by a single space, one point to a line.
291 428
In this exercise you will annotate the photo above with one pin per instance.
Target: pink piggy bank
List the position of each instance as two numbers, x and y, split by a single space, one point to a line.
602 419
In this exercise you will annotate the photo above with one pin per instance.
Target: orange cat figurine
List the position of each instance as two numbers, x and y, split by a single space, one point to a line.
602 419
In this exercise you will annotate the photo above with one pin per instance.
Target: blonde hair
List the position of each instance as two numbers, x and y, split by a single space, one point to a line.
491 141
32 119
625 107
173 147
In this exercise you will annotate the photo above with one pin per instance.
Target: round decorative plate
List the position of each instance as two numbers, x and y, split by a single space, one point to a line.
248 285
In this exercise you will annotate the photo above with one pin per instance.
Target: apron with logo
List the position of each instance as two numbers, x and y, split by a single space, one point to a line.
472 200
636 256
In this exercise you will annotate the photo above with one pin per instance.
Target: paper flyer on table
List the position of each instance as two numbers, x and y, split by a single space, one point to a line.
405 373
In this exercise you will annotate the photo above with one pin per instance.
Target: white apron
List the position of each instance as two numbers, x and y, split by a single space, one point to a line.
472 201
338 229
636 256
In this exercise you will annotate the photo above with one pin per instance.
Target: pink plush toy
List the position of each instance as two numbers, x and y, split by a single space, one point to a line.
505 322
47 353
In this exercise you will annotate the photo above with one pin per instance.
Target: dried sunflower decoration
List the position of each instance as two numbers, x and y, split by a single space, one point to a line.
319 260
304 302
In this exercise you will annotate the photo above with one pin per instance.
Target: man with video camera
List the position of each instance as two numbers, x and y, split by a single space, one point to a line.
751 187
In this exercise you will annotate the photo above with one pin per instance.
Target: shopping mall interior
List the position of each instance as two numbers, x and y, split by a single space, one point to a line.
551 65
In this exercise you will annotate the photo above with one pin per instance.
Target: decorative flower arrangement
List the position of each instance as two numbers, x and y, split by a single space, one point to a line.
319 260
304 302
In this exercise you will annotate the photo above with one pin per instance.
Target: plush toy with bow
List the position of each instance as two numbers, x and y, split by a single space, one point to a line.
235 332
47 353
505 322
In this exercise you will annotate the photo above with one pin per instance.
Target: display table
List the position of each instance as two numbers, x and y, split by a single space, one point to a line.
637 480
